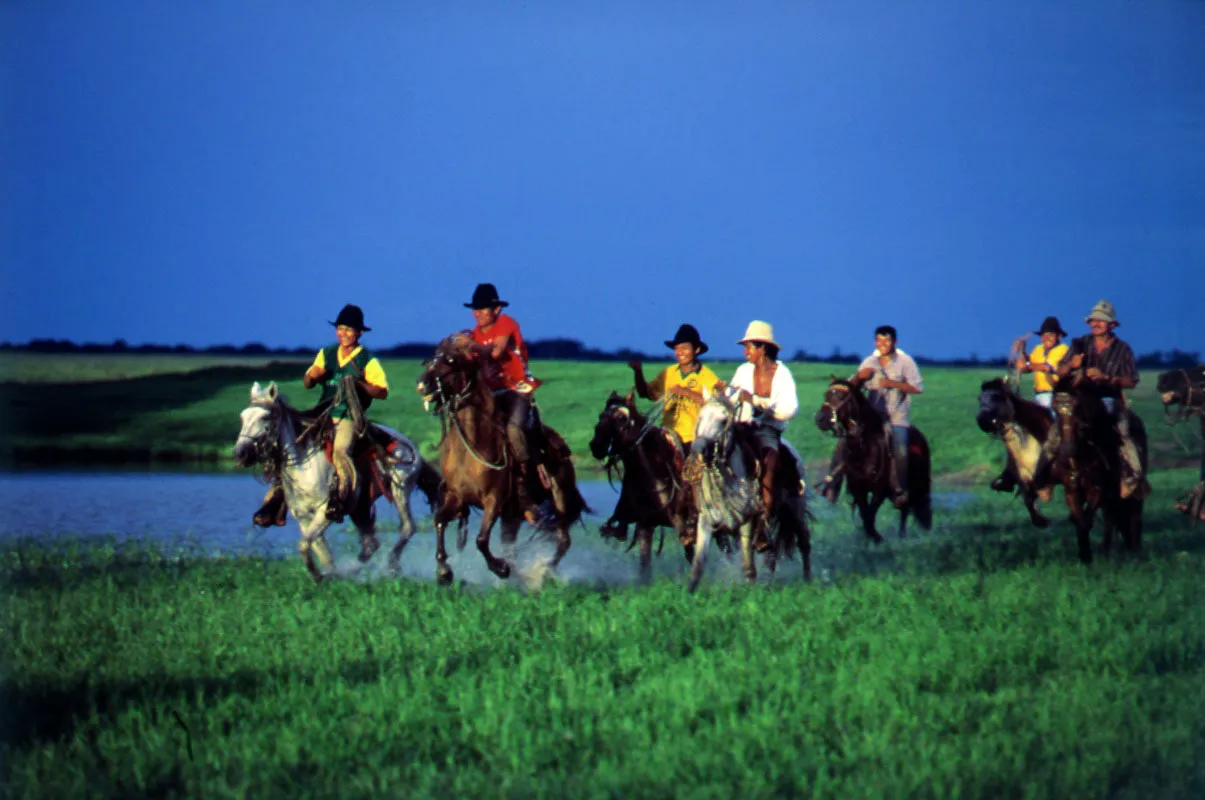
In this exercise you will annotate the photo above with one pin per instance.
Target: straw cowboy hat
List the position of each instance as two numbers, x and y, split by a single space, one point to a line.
352 317
1051 325
1104 312
687 333
485 296
759 331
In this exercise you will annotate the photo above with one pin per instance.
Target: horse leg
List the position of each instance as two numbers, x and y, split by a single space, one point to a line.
401 501
560 503
1030 497
510 534
702 541
644 534
903 531
1107 531
747 554
868 509
489 515
448 511
313 544
364 517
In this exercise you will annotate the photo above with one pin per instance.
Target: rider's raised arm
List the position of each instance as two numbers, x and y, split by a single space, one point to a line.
651 391
313 376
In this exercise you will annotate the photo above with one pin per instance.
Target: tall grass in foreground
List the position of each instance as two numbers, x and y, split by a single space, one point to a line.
978 661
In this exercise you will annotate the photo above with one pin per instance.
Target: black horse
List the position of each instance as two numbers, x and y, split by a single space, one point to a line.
1184 391
652 493
1088 463
1024 427
866 460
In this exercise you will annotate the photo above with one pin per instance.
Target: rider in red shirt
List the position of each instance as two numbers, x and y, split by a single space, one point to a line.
504 368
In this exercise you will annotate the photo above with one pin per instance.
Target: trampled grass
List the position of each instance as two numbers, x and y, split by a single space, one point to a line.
194 414
977 660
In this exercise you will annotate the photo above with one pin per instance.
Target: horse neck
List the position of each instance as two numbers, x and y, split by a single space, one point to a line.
304 472
1031 417
475 417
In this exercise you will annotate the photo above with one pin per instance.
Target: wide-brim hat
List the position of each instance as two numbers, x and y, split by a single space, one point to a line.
352 317
1103 311
687 333
759 331
485 296
1051 325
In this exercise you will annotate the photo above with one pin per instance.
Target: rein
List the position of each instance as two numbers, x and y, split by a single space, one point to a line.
450 405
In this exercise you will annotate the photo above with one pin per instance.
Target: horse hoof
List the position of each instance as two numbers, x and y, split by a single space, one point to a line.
443 575
502 570
368 549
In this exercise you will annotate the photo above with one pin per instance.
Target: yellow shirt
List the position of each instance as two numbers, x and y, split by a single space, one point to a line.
681 413
373 372
1044 381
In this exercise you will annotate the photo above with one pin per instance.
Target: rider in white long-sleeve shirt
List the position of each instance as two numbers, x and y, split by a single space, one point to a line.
766 391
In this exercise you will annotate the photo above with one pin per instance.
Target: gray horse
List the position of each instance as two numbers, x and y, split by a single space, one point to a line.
275 435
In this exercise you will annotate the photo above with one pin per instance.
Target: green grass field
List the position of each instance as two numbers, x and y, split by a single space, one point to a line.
976 660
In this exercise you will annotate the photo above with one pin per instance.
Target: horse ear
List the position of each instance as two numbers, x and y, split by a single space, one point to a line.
255 390
630 399
272 390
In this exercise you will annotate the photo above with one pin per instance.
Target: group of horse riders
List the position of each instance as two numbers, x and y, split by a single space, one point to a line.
351 378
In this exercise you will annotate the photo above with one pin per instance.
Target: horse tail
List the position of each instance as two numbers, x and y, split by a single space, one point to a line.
920 481
431 483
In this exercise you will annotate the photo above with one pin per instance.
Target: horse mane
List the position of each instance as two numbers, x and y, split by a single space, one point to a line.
858 395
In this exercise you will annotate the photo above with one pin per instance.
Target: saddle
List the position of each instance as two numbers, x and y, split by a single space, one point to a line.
366 454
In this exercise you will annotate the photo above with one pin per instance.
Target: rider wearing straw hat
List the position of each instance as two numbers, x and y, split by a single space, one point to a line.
767 393
1108 362
345 359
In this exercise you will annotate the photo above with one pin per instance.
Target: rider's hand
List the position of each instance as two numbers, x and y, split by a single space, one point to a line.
1077 360
721 386
635 364
1094 374
315 373
744 397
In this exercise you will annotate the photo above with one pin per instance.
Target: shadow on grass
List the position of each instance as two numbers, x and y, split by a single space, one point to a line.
58 411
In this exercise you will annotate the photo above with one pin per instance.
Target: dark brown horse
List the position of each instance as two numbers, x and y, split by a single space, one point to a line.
1184 390
1088 463
652 493
866 460
1024 427
477 464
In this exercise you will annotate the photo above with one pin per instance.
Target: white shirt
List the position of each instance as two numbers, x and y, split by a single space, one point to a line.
775 410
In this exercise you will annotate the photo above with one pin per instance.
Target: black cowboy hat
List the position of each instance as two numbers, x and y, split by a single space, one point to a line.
352 317
687 333
1051 325
485 296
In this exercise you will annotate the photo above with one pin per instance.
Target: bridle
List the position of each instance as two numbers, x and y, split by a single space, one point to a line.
1188 405
840 429
448 404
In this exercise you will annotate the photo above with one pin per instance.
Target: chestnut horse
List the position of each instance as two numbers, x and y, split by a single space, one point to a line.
1024 426
1088 463
477 464
652 493
848 415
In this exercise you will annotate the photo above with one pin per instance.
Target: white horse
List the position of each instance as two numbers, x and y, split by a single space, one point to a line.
727 490
274 434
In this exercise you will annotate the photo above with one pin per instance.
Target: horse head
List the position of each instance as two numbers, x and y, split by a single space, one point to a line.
257 436
1184 387
618 427
716 416
995 406
838 413
449 375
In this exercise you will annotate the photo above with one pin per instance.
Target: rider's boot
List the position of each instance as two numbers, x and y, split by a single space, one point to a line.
530 511
1133 482
1005 482
899 477
275 509
334 505
761 542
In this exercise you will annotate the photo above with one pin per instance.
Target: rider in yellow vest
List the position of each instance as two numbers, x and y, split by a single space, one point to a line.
347 358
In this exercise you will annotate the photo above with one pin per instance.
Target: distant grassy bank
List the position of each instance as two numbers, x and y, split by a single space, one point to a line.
118 409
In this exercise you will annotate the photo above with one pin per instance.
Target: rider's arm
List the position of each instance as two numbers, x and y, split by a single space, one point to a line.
374 384
317 371
912 382
861 376
1127 371
783 402
649 391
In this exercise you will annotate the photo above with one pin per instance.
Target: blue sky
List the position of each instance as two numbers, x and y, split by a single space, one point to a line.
233 172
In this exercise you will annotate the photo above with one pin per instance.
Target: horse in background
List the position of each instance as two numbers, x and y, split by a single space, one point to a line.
1088 464
479 470
866 467
282 440
652 493
1184 389
723 469
1023 426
